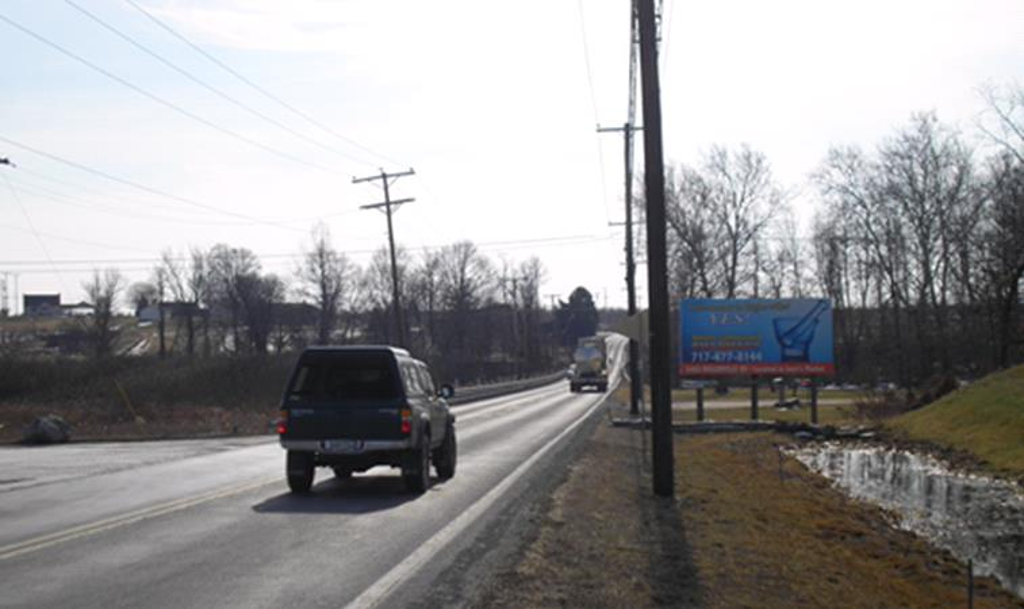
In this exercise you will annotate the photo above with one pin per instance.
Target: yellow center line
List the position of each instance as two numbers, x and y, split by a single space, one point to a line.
106 524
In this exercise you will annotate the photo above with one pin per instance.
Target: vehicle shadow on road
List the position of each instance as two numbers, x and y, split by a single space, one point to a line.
357 495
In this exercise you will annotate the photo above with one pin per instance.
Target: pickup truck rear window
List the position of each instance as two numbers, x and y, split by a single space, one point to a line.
345 376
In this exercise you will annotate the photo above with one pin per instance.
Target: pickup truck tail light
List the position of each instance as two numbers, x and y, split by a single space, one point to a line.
282 423
406 421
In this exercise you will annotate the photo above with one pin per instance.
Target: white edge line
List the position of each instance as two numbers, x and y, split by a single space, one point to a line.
383 587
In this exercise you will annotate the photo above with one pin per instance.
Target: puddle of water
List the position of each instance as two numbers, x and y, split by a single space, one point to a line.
973 517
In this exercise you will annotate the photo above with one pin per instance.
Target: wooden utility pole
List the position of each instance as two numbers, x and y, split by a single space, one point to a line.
635 386
657 262
389 206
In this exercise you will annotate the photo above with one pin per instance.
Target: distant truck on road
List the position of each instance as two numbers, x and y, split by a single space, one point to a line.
590 365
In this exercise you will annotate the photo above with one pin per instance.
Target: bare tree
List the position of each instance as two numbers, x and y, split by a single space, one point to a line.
378 292
927 174
717 214
745 198
1003 119
467 283
696 244
188 281
1002 257
231 276
103 292
259 297
160 282
532 274
325 277
424 300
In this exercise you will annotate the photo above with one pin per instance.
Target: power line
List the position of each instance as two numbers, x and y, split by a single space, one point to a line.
32 226
33 231
593 105
114 210
208 86
257 87
81 188
164 102
142 187
501 245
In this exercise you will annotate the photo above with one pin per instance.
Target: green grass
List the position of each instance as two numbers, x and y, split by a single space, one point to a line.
985 419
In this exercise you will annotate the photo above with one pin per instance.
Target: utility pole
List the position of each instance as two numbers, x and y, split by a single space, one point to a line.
635 386
389 206
4 294
657 263
4 308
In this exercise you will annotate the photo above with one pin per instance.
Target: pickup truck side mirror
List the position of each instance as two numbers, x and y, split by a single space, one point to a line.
446 391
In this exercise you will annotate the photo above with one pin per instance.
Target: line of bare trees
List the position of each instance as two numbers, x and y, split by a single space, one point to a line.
471 316
919 243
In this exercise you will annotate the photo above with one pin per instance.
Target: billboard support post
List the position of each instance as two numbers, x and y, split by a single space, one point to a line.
700 403
753 400
814 401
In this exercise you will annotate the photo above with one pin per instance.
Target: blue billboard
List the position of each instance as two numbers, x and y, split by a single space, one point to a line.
738 337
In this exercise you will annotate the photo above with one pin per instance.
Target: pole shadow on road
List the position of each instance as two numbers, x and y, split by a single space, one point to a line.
357 495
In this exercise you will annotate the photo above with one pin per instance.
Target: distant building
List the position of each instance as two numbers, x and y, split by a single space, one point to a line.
41 305
78 310
172 309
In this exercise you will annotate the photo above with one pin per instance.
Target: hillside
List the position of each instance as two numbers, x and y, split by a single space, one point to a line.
985 419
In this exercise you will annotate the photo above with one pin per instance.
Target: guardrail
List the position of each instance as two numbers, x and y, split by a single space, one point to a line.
493 390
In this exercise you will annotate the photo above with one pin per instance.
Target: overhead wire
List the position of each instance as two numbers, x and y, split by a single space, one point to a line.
115 210
262 90
593 104
540 242
163 102
94 206
143 187
32 226
236 102
79 187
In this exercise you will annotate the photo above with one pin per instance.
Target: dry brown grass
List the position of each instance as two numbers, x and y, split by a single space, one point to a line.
735 536
828 414
762 541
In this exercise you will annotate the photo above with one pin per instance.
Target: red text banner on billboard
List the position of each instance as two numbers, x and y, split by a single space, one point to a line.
737 337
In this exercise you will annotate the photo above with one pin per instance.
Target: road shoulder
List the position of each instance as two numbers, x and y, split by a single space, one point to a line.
590 535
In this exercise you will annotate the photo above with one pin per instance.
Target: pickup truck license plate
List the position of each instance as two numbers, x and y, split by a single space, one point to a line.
341 446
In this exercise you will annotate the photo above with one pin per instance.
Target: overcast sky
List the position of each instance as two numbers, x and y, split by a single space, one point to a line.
494 104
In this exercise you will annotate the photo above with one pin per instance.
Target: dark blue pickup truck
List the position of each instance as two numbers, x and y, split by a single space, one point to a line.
355 407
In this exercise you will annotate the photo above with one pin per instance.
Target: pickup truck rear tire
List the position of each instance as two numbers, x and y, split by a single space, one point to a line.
445 456
300 469
416 471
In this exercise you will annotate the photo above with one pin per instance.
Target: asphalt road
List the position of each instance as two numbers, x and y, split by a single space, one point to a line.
210 523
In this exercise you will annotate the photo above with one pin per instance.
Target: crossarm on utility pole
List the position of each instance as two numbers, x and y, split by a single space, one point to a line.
387 179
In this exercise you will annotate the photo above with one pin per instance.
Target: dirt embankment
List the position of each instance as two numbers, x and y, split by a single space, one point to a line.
743 531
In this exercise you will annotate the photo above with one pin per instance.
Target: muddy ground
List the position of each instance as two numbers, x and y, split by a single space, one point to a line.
746 529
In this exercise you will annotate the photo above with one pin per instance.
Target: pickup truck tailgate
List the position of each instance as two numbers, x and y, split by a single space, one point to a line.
351 421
